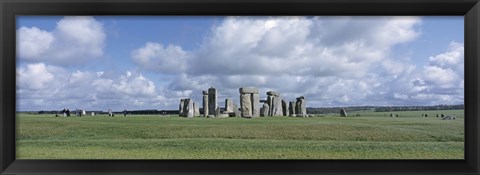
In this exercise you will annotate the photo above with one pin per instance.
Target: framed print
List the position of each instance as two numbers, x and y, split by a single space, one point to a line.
239 87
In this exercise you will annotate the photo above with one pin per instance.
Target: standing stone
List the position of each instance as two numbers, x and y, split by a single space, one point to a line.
235 110
291 108
278 106
249 102
255 105
181 107
217 111
188 108
205 104
212 101
264 110
274 101
246 105
343 113
301 107
285 108
228 105
270 104
197 109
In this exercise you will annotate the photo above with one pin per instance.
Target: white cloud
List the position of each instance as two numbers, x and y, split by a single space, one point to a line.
74 40
47 87
331 61
33 42
35 76
156 57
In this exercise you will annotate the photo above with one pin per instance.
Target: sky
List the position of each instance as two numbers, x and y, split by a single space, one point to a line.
151 62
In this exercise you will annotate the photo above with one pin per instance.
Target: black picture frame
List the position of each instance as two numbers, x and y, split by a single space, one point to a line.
470 9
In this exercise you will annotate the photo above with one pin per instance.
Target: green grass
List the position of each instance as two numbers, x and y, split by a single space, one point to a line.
374 135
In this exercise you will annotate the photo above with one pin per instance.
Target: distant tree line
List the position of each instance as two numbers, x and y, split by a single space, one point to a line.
327 110
419 108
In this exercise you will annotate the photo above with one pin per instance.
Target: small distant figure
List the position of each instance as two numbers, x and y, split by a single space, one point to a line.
443 115
56 115
426 115
437 115
358 115
110 113
391 115
396 115
125 112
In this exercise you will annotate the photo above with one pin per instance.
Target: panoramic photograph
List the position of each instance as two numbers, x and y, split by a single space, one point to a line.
240 87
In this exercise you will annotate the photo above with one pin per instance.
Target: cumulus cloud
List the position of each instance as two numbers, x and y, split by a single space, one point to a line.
74 40
331 60
50 87
35 76
156 57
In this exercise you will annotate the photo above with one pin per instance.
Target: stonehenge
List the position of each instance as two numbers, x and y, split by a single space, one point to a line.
249 102
250 106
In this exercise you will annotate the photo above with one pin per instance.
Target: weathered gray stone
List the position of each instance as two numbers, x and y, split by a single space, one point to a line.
255 105
212 101
291 107
223 116
248 90
249 102
197 109
189 110
181 107
264 110
274 102
449 117
277 107
285 108
217 111
343 113
301 108
246 105
237 112
228 105
205 104
273 93
270 105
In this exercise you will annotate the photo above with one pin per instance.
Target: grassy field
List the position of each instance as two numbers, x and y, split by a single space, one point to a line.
373 135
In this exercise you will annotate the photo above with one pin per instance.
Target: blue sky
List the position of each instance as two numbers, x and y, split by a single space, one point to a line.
150 62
